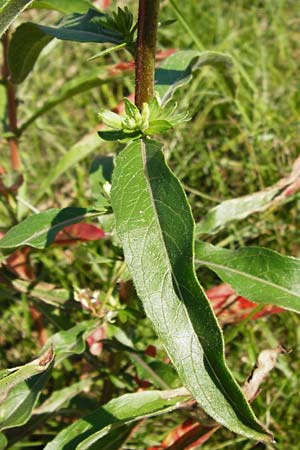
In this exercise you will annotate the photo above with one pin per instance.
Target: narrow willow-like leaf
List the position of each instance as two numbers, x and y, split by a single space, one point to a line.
9 11
60 399
84 28
47 293
258 274
71 88
17 408
25 372
155 225
63 6
177 70
26 44
89 430
240 208
40 230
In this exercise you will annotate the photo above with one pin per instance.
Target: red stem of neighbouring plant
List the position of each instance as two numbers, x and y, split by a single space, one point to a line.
11 107
145 52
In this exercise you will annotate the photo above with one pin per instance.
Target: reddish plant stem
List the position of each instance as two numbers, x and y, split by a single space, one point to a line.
145 53
11 107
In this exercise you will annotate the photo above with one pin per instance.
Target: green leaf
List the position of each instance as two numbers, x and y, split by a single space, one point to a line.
25 372
177 70
118 135
155 225
17 408
71 88
39 230
61 399
26 44
84 28
259 274
18 405
9 11
71 341
3 441
89 430
63 6
240 208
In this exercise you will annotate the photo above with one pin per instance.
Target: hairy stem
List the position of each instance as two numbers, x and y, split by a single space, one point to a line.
145 54
11 107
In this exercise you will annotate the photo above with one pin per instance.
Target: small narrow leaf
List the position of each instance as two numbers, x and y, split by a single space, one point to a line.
259 274
89 430
155 225
45 292
177 70
241 207
26 44
9 11
17 408
61 399
40 230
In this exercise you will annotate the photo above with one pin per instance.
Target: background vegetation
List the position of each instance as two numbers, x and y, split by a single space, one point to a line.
229 148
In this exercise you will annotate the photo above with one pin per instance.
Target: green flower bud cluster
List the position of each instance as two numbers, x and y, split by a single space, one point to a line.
153 119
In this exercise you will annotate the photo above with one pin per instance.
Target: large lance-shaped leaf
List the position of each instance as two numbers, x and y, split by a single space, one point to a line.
155 225
177 70
259 274
9 11
40 230
85 432
26 44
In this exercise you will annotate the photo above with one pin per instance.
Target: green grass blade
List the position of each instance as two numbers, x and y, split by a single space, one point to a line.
80 150
259 274
71 88
155 225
